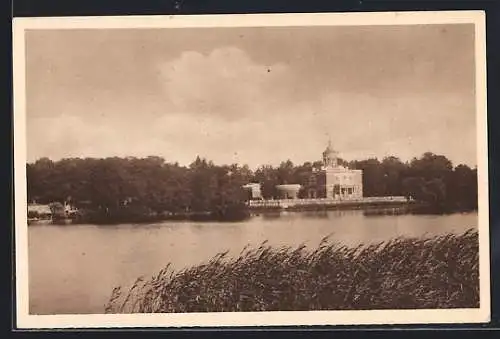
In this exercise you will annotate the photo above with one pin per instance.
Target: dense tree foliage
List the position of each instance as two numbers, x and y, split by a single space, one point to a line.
151 185
132 187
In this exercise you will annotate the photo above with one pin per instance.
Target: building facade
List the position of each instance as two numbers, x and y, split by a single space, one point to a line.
334 181
254 191
331 181
289 191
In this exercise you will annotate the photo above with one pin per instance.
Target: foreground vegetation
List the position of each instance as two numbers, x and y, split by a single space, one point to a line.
406 273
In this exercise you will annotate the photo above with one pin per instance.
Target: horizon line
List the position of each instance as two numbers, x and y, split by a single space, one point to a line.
242 164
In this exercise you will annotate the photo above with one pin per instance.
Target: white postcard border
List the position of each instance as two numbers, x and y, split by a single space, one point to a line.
297 318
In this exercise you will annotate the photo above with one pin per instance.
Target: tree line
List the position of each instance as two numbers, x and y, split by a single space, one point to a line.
152 185
430 179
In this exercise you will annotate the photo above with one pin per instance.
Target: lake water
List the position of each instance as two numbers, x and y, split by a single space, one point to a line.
73 269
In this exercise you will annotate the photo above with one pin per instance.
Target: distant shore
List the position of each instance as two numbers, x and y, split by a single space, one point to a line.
242 214
329 204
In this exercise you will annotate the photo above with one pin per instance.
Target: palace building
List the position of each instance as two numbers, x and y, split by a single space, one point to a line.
334 181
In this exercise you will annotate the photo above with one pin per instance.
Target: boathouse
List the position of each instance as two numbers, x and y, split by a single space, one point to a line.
39 211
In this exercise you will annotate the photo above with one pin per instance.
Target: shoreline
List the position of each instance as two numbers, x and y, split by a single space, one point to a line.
324 204
374 209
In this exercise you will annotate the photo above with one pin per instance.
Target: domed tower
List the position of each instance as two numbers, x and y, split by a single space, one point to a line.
330 157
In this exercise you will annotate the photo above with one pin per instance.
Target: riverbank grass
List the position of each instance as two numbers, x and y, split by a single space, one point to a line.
404 273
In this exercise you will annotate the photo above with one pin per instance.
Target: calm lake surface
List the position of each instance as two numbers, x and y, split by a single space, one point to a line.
74 268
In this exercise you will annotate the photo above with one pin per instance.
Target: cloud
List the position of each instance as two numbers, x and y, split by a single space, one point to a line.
360 126
247 140
229 107
225 83
70 136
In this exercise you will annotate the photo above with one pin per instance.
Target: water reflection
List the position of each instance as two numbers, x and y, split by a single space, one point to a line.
269 215
289 215
315 215
377 212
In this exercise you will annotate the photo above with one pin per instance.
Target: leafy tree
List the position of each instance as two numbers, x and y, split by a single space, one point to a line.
152 185
267 176
374 181
394 171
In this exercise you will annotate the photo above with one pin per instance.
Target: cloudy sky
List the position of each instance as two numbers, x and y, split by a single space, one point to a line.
252 95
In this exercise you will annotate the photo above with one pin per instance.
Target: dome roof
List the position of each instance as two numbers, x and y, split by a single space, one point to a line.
330 157
329 149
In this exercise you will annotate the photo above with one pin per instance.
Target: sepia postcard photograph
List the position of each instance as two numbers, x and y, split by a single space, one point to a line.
251 170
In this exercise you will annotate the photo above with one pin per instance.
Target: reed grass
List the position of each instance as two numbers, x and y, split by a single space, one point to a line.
404 273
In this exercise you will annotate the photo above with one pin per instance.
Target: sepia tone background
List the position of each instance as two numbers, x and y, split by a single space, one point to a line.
246 95
48 124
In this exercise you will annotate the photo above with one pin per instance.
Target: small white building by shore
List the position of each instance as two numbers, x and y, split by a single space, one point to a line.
254 190
39 211
288 191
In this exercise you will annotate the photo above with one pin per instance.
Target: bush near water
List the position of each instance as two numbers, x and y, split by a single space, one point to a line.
404 273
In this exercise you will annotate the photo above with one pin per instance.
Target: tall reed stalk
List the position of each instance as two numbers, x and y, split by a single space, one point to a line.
404 273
